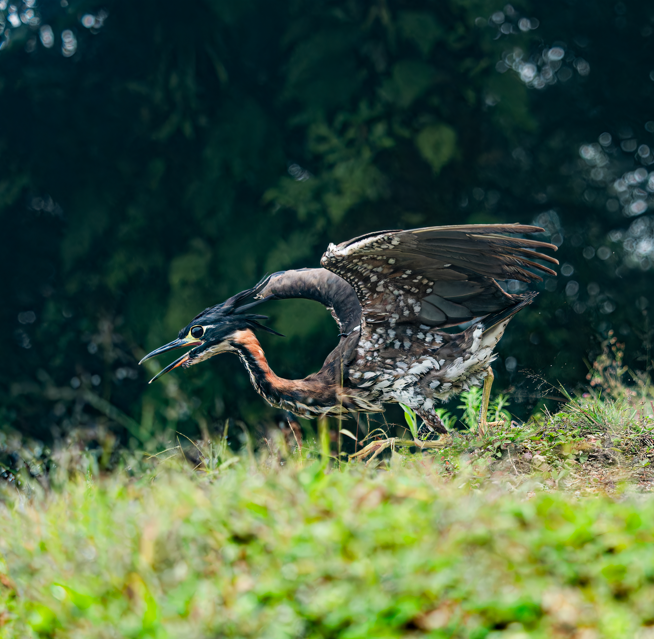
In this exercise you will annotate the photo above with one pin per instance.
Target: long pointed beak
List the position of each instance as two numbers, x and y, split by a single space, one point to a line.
177 343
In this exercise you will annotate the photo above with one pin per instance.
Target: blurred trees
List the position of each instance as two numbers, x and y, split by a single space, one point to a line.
158 157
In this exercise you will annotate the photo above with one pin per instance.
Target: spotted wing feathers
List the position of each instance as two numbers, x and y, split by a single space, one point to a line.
438 276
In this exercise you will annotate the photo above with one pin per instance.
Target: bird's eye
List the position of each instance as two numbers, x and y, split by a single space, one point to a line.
197 332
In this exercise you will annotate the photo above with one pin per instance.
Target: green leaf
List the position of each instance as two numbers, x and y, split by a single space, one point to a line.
409 80
437 145
420 27
411 419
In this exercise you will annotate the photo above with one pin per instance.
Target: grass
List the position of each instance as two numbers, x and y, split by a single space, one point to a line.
540 529
295 551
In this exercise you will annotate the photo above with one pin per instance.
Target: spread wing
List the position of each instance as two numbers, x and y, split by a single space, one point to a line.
437 276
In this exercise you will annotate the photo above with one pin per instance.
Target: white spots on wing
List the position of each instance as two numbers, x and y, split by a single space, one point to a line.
456 369
476 340
421 335
420 368
369 374
373 278
407 344
397 344
428 404
428 290
401 382
391 334
417 308
391 261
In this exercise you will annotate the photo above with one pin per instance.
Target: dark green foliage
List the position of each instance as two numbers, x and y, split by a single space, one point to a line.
181 152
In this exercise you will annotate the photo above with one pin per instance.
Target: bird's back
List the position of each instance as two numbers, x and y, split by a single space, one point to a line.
394 292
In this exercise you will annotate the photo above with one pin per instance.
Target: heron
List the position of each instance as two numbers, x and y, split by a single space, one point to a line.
419 314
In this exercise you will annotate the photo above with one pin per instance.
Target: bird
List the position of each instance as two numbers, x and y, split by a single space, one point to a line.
419 314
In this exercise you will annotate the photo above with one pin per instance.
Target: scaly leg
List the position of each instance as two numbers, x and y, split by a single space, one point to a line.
485 400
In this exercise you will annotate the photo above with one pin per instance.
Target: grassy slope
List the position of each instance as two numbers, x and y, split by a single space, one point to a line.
538 530
257 549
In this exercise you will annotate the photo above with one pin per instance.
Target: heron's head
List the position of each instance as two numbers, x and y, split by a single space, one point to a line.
214 331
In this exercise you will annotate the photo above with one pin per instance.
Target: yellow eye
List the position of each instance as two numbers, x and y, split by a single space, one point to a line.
197 332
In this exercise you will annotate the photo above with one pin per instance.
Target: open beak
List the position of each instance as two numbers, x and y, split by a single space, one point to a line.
177 343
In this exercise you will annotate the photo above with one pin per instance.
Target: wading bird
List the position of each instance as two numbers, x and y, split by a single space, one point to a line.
392 294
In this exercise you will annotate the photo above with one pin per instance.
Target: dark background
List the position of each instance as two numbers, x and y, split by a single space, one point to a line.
157 157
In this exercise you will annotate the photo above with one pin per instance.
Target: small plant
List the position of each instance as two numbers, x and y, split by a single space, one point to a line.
608 370
447 419
471 406
411 419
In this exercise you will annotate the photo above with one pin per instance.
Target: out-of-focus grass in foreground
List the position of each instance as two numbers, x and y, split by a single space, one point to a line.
541 529
261 548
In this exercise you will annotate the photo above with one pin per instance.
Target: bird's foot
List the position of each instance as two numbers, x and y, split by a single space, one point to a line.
375 448
442 442
484 427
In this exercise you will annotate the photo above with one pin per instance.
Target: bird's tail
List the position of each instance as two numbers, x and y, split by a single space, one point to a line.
491 321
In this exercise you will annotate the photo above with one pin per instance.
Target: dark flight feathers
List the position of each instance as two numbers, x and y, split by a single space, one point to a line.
437 276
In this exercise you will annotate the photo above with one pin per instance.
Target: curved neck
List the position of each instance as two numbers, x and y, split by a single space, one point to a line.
294 395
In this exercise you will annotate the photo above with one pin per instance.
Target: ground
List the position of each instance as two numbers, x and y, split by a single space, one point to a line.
540 529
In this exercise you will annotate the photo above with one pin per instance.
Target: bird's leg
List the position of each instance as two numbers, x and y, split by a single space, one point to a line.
432 425
432 433
485 400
